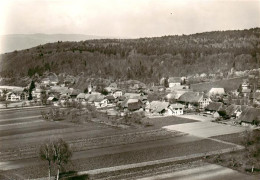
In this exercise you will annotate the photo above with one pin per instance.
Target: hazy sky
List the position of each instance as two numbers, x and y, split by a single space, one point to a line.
126 18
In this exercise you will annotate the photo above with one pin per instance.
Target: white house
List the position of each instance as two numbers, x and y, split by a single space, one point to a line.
12 97
117 93
204 102
174 81
176 109
101 102
37 92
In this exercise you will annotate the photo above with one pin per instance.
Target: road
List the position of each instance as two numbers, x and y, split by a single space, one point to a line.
205 172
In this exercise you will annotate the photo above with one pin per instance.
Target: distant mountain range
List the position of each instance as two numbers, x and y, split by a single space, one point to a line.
12 42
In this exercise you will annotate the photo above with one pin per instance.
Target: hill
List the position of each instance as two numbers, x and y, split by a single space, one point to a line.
144 59
12 42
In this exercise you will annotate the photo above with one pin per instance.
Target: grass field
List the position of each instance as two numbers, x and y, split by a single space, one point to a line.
227 84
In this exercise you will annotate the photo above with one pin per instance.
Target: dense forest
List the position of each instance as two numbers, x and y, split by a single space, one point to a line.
144 59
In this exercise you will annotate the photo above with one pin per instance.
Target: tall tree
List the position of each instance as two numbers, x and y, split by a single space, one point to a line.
32 86
46 153
61 154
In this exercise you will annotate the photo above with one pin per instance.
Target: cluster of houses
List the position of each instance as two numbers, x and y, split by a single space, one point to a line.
177 98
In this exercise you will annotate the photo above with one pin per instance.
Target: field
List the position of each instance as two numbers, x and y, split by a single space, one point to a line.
227 84
94 145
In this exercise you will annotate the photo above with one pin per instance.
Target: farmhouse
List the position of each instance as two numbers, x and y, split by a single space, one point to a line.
100 102
159 108
11 96
194 99
128 101
214 107
134 106
177 109
250 116
117 93
235 110
174 81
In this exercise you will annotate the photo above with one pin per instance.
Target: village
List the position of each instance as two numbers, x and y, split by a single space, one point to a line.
171 97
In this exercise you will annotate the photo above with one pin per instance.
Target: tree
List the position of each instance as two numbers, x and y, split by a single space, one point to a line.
56 152
6 103
32 86
46 153
61 154
44 97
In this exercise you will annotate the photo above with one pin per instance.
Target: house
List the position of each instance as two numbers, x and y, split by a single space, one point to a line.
100 102
74 93
117 93
45 81
194 99
216 91
214 107
80 97
134 106
11 96
91 98
128 101
110 99
159 108
37 93
174 81
52 99
177 109
235 110
250 116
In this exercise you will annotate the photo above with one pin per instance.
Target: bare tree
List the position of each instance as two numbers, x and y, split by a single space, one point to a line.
46 153
61 154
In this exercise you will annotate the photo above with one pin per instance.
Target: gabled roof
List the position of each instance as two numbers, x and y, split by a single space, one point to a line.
191 97
110 98
99 99
158 106
134 106
127 101
250 114
214 106
94 97
177 105
174 80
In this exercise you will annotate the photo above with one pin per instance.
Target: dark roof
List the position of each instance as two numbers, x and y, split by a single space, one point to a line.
233 107
214 106
110 98
249 115
134 106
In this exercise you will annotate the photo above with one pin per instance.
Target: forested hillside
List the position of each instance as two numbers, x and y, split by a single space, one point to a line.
145 59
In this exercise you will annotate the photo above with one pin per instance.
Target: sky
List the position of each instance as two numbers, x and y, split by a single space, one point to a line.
126 18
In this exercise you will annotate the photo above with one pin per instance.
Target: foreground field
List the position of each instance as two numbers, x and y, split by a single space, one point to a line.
94 145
